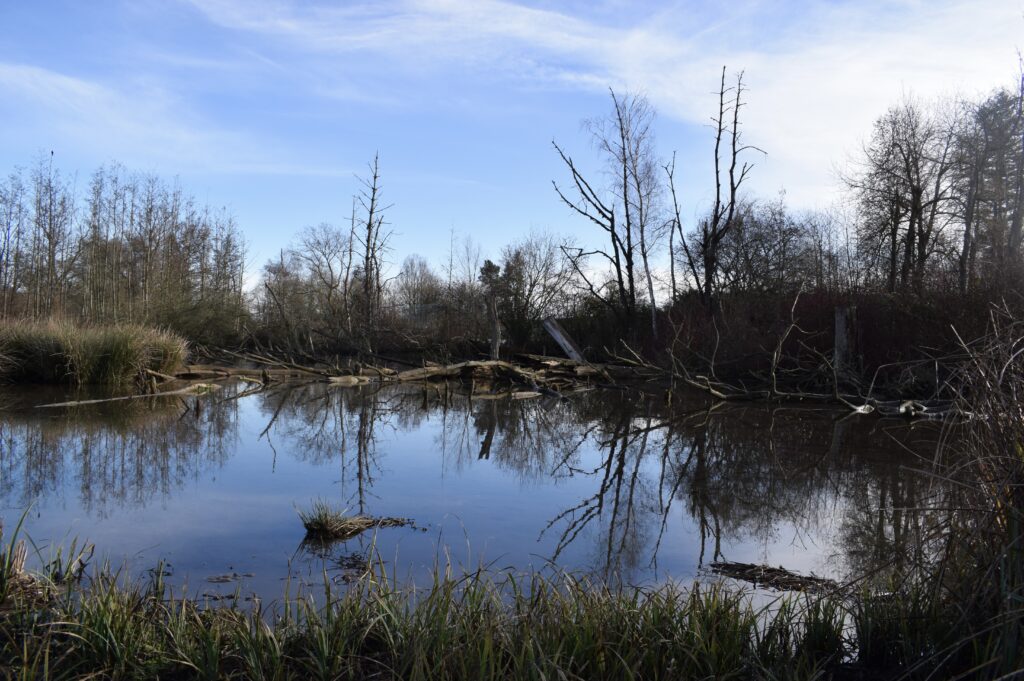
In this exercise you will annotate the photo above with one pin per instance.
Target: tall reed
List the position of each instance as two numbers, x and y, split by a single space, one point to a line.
979 573
61 352
954 606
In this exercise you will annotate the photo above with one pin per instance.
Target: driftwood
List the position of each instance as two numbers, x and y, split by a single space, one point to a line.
529 376
347 380
535 374
778 578
471 370
194 389
563 339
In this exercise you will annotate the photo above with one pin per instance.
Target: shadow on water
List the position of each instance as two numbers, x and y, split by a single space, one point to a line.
619 485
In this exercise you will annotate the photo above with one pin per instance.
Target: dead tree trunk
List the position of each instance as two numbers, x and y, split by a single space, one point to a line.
492 315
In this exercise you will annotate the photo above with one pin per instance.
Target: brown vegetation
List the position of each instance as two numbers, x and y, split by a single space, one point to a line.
61 352
326 524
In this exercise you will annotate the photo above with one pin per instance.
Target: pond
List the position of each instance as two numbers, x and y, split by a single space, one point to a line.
615 484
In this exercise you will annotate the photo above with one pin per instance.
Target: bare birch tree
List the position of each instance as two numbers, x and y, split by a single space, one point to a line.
627 211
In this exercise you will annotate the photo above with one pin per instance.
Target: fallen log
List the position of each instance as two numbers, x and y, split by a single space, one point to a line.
157 374
346 381
525 395
194 389
197 373
474 369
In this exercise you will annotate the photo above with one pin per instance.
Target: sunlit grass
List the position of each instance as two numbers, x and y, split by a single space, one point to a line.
61 352
478 626
324 523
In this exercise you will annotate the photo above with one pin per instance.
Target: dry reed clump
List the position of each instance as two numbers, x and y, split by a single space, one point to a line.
979 573
951 603
61 352
324 523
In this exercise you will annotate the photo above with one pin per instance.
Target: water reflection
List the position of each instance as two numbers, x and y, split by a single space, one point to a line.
619 484
121 455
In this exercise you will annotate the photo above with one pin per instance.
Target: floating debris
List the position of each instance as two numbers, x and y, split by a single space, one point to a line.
211 596
194 389
778 578
229 577
351 568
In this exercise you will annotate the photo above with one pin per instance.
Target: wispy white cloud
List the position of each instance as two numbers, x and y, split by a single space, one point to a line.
141 125
818 72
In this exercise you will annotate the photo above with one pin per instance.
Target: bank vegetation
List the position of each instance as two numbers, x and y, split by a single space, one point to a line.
74 354
871 293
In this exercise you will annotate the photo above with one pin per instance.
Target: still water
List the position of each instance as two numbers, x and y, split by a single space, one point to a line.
617 485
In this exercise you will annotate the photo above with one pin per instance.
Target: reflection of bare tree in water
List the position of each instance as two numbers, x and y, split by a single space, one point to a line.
738 473
489 417
525 437
616 496
891 522
119 457
325 425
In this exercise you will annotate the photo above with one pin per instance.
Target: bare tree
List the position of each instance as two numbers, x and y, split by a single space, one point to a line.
972 154
772 250
53 242
1017 211
417 286
536 278
628 143
131 249
627 212
326 253
373 240
14 215
702 248
905 188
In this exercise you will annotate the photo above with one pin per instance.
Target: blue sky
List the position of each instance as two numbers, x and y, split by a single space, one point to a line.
271 107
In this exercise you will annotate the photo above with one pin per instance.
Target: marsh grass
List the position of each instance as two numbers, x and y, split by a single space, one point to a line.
325 524
478 627
482 625
61 352
978 574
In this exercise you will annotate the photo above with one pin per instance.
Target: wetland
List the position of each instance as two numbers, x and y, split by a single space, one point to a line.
616 485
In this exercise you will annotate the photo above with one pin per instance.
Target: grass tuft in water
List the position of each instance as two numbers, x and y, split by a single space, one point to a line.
61 352
325 524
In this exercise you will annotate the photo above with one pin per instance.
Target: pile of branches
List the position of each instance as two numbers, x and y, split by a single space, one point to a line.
776 578
528 376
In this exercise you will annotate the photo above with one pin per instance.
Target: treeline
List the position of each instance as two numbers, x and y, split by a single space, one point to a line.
940 194
129 248
930 231
326 293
